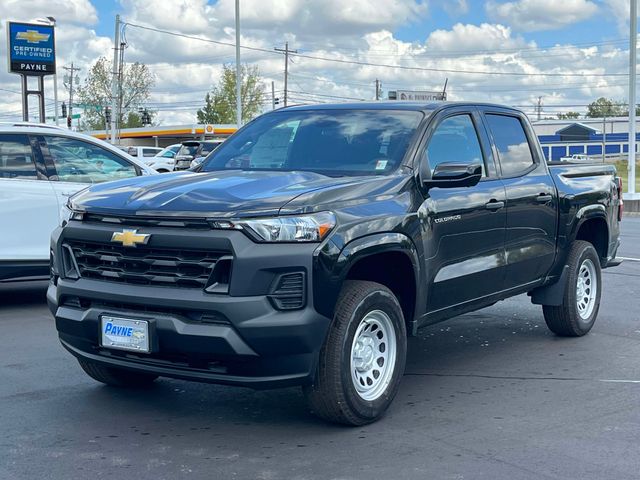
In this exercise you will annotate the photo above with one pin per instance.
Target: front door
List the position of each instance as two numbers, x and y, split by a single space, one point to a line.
463 226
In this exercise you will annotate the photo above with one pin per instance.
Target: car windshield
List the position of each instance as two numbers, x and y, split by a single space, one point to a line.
332 142
168 152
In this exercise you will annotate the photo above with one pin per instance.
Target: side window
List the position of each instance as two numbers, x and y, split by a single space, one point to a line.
512 144
83 162
149 152
16 157
456 141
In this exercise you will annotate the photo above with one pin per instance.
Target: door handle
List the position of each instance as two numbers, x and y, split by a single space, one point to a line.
67 194
544 198
494 205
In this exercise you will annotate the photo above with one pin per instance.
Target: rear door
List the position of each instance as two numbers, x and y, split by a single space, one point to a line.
532 201
28 205
464 226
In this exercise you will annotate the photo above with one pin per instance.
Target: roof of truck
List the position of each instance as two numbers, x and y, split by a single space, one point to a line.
393 105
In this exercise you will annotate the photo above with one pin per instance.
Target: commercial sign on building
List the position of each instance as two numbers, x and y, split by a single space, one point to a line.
419 96
31 48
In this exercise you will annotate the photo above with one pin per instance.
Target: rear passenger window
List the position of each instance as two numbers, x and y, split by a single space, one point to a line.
512 144
149 152
455 141
16 159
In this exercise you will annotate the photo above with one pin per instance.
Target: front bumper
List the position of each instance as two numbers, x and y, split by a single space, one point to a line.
218 338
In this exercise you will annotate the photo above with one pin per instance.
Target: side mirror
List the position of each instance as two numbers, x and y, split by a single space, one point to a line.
451 174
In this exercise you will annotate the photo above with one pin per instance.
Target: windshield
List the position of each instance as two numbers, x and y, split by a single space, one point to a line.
169 152
333 142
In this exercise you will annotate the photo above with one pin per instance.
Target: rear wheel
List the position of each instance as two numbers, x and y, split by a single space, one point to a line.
581 301
116 377
363 357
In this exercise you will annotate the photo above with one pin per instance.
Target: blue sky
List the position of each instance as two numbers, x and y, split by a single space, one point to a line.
429 38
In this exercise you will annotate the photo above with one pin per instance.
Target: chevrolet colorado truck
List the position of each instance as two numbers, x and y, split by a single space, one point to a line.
310 244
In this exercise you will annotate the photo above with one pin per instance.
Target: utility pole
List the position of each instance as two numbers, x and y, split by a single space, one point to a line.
71 71
539 107
377 89
286 52
633 38
273 95
114 81
238 69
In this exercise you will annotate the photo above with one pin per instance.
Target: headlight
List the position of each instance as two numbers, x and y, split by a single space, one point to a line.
303 228
65 214
70 211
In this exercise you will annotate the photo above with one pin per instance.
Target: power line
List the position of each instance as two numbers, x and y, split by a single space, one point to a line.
451 70
383 65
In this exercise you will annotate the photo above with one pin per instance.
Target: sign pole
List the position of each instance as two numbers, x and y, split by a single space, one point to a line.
43 119
25 98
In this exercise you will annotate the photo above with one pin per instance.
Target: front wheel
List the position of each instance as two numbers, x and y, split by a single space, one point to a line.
363 357
581 301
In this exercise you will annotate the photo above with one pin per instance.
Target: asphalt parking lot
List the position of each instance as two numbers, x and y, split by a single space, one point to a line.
490 395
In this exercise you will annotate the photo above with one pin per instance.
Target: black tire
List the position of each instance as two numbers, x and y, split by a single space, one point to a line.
566 320
162 170
333 396
116 377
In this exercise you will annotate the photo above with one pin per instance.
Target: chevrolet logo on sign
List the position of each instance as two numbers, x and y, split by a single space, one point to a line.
32 36
130 238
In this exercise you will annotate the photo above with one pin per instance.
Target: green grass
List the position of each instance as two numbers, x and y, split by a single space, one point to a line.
624 173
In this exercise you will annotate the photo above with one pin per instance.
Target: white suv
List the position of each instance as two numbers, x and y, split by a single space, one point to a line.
40 167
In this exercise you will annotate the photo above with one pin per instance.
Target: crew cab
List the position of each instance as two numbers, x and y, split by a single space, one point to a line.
309 245
41 166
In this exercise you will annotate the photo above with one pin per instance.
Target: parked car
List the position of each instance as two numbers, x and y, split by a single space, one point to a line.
40 167
192 150
577 157
313 241
141 151
164 161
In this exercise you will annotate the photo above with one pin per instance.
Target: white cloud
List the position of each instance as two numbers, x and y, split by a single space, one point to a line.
536 15
185 69
64 11
620 9
456 7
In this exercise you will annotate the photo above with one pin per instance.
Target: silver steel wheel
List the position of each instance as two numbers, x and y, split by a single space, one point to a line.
586 289
373 355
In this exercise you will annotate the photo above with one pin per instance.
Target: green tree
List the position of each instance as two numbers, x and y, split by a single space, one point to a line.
95 94
220 103
568 115
605 107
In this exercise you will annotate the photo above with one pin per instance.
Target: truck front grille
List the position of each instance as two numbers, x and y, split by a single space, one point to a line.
142 265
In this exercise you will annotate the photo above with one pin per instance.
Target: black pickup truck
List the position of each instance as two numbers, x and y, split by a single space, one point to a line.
306 248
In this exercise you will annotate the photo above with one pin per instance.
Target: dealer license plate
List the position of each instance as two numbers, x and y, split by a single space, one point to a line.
124 333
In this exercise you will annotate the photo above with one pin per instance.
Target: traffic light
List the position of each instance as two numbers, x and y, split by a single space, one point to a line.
276 101
69 122
64 109
107 115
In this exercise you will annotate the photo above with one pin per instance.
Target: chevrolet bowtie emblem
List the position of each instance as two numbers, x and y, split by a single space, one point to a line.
130 238
32 36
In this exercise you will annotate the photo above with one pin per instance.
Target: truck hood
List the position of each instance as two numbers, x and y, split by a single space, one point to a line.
231 193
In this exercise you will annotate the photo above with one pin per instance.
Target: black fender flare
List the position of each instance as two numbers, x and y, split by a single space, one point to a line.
374 244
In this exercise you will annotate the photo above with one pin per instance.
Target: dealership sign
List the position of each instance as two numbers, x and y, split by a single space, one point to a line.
419 96
32 48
